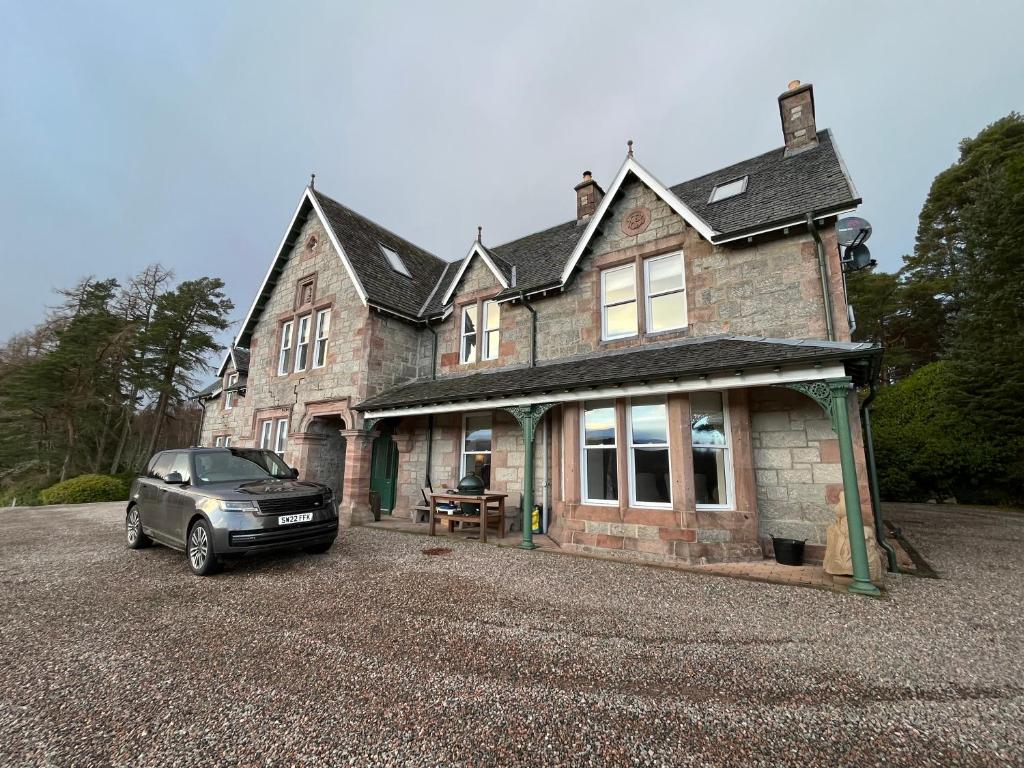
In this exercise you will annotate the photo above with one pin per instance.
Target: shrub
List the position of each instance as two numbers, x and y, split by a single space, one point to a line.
86 488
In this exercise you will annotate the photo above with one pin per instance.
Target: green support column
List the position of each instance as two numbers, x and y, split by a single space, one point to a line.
529 417
840 389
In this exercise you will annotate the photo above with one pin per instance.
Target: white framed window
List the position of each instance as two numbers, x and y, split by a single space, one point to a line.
492 330
665 282
728 189
227 441
229 396
218 442
618 302
600 473
281 438
302 344
266 430
323 329
477 436
650 472
395 261
468 337
712 450
286 349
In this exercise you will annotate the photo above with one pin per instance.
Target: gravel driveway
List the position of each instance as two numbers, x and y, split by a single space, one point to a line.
377 654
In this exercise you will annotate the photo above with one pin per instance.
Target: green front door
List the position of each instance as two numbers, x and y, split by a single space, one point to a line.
384 471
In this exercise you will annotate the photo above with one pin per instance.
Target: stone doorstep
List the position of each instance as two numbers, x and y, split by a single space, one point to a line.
767 571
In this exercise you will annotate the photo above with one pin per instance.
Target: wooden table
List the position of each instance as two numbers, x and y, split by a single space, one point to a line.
482 500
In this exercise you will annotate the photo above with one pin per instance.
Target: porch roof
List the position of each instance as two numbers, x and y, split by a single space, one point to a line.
710 361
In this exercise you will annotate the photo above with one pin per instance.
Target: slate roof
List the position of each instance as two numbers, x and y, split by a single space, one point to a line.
209 391
361 239
240 356
708 355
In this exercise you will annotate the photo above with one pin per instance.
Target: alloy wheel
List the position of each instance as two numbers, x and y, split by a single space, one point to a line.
199 547
134 525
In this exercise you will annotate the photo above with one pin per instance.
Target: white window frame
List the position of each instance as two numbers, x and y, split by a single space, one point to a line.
229 396
304 322
281 437
266 433
218 441
605 305
227 441
487 352
715 197
632 464
648 295
584 490
462 336
730 480
465 434
394 260
323 330
285 349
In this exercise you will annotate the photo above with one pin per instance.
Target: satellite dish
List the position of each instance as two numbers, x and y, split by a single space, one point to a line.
858 257
853 230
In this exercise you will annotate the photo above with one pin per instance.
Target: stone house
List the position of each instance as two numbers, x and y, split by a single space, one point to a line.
669 374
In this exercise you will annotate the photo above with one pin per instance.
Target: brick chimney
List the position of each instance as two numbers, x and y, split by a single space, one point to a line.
588 196
796 108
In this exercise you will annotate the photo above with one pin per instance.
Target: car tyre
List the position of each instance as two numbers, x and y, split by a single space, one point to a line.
319 549
199 552
134 536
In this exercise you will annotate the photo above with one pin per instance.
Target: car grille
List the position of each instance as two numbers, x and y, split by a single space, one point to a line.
285 534
288 504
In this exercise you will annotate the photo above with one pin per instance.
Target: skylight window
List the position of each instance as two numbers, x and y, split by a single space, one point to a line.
729 189
395 261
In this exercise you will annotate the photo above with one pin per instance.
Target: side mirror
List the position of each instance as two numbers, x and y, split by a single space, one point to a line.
174 478
293 473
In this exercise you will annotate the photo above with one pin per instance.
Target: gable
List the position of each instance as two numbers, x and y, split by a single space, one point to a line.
480 269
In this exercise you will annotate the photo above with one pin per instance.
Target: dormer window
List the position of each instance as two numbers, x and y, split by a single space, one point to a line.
729 189
395 261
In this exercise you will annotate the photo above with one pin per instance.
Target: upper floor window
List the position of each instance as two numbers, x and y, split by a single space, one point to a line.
650 476
286 348
468 342
600 465
492 332
665 291
229 395
323 328
728 189
302 344
618 302
712 465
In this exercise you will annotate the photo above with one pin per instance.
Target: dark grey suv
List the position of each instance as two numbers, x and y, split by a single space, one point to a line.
218 502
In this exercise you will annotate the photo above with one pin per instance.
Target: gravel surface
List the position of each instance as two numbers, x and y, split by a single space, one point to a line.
376 654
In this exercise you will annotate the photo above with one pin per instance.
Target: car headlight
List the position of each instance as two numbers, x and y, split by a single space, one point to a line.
236 506
328 495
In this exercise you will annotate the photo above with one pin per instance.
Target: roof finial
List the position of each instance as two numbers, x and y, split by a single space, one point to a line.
480 235
629 150
312 181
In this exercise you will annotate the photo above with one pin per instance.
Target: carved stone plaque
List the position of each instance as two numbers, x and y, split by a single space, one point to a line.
636 221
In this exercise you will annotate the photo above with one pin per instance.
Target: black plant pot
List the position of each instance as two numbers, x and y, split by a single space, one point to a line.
788 551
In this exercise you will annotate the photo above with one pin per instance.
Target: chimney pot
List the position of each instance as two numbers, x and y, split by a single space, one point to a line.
796 109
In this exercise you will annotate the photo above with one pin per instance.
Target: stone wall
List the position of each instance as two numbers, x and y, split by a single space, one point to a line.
797 470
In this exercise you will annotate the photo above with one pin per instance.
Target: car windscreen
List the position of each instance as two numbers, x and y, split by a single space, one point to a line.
227 466
268 460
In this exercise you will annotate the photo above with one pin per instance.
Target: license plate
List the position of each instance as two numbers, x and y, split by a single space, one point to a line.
305 517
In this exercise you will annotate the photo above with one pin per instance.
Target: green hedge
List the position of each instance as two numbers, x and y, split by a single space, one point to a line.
86 488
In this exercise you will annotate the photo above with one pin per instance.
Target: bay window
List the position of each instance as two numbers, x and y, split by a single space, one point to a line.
665 292
618 302
477 435
468 342
600 467
650 476
492 332
323 328
712 462
302 344
286 349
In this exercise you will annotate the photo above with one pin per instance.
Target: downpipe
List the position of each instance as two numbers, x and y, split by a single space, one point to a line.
876 500
823 268
533 328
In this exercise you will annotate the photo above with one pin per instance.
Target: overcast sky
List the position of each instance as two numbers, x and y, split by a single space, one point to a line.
184 132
